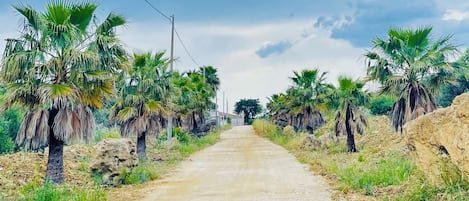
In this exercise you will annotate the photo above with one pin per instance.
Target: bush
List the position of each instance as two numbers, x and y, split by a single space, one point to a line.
9 125
181 135
145 171
263 127
288 130
103 132
7 144
381 105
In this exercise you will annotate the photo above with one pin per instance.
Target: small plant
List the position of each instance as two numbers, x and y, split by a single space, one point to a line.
48 192
84 164
145 171
181 135
361 158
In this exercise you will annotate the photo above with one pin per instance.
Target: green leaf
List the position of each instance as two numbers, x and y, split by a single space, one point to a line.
59 90
82 14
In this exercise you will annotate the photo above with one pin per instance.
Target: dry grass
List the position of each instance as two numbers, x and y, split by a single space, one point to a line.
22 174
20 169
380 170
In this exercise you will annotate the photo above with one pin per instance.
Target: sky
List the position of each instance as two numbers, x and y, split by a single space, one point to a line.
257 44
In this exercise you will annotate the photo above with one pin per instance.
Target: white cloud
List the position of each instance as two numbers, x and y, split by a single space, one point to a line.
232 49
455 15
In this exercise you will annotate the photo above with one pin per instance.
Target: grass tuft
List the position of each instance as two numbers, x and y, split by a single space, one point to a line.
52 192
145 171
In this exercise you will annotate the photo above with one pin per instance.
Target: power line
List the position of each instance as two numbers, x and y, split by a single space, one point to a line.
157 10
177 34
185 49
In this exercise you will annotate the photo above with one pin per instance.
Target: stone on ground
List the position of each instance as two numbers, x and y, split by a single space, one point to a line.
112 157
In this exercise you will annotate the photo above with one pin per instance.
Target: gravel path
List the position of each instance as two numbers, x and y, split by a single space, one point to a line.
242 166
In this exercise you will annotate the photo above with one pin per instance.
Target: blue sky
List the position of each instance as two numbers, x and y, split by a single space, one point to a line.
256 44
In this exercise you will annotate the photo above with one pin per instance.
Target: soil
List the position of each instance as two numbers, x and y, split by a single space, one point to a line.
242 166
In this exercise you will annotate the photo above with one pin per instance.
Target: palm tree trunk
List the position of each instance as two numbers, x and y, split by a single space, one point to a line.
142 146
348 128
194 123
55 162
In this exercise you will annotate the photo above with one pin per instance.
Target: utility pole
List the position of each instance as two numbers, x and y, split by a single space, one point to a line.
169 128
223 103
216 109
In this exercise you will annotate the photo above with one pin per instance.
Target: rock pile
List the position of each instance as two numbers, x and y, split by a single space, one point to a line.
112 157
310 143
440 140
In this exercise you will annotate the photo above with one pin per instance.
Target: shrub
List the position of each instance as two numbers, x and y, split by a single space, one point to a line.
288 130
106 133
181 135
7 144
381 105
10 122
145 171
263 127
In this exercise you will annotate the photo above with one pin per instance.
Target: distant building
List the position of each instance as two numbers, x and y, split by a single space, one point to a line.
224 118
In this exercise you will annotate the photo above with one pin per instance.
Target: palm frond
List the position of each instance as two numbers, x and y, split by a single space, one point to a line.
81 15
62 125
126 113
112 21
32 16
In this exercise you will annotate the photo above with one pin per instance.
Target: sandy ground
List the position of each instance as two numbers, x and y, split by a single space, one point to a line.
242 166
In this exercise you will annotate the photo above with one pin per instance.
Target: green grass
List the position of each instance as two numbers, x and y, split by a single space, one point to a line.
106 133
145 171
374 172
358 172
186 145
52 192
362 175
190 144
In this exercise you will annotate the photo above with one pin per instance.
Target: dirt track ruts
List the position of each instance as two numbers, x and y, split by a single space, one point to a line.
242 166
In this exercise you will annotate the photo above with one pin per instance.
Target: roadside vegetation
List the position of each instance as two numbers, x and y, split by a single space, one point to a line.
381 170
66 79
339 132
81 184
67 83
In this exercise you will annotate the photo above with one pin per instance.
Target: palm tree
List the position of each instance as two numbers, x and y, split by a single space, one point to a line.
307 98
278 109
412 67
211 77
59 67
195 97
139 109
349 118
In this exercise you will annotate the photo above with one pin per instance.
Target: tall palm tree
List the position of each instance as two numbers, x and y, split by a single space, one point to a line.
59 67
139 109
307 98
411 66
211 77
349 119
195 98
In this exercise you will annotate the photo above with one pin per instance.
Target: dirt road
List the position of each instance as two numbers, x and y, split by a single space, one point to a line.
242 166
